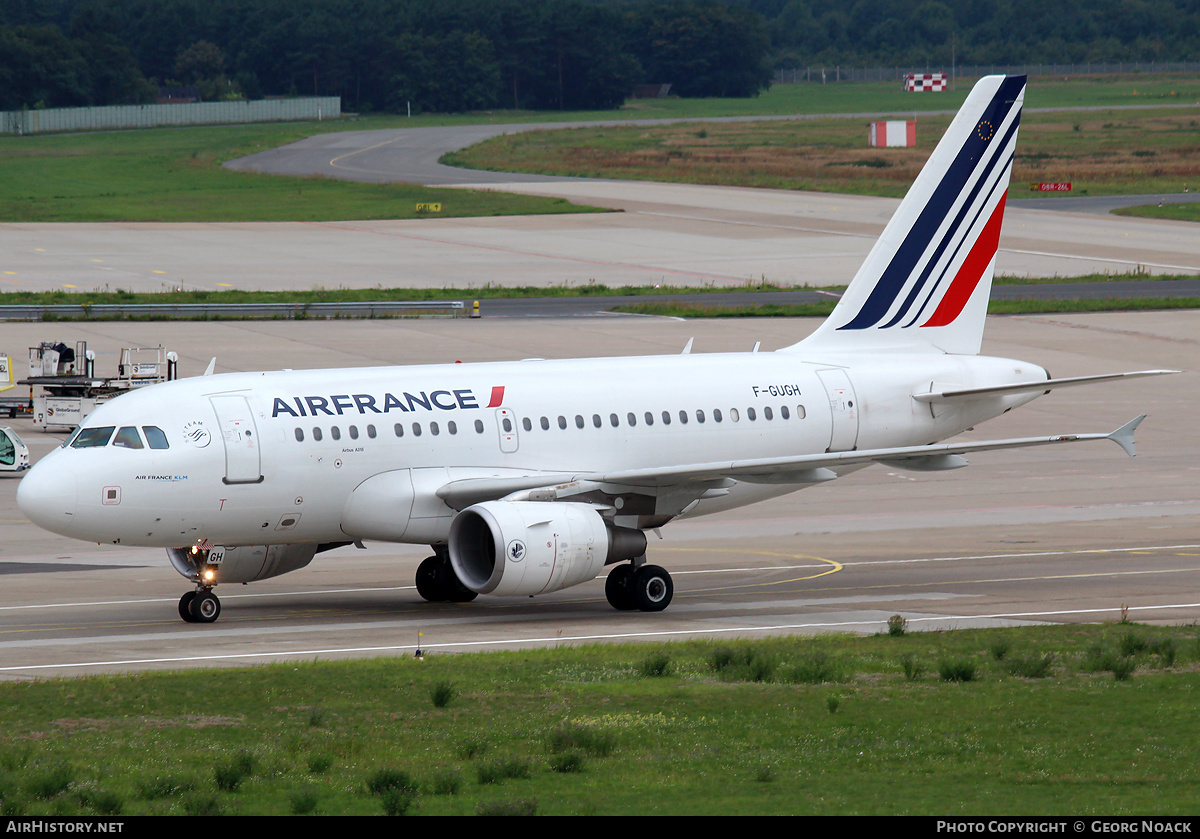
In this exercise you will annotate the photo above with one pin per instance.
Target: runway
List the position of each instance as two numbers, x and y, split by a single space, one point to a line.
1076 534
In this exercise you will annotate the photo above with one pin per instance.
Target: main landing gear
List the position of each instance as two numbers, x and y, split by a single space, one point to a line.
645 587
437 582
200 606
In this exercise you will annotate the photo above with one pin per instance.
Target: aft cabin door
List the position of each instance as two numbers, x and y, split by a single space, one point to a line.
243 464
843 410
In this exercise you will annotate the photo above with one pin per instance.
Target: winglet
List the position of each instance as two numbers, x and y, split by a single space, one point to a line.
1123 436
212 365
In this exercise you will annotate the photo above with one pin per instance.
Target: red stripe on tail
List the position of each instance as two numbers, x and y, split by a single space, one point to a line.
971 272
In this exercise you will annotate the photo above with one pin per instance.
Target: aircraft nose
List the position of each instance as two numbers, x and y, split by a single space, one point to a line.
48 496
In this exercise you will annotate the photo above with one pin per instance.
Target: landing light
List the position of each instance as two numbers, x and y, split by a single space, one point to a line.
209 574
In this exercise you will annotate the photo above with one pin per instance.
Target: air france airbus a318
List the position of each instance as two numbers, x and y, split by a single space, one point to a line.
531 476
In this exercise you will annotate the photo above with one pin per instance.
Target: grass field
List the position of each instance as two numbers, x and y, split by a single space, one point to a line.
175 175
1080 720
1099 152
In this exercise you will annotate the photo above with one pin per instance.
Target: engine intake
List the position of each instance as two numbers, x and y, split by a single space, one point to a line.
520 548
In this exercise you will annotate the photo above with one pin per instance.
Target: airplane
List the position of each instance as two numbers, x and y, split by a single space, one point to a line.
528 477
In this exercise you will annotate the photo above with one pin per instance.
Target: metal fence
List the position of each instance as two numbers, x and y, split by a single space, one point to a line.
149 116
827 74
249 311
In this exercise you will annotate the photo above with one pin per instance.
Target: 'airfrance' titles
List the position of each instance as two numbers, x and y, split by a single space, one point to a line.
337 405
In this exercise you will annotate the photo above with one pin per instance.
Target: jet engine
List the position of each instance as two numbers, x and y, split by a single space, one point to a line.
533 547
240 564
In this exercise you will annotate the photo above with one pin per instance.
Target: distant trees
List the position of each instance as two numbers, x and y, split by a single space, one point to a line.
457 55
876 32
433 55
40 66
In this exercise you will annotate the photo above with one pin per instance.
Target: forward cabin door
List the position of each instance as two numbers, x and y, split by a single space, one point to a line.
243 461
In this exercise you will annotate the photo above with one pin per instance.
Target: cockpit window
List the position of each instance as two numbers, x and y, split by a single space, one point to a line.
155 437
128 438
91 438
71 438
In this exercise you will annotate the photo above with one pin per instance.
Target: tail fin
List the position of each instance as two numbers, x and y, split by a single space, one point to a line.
926 283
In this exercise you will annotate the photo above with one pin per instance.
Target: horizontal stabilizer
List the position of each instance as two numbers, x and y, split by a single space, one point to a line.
1032 387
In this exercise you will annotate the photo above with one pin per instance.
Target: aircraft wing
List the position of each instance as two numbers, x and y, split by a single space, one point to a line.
814 468
697 478
1032 387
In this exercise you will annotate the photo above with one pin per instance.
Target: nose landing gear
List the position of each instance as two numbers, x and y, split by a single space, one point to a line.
200 606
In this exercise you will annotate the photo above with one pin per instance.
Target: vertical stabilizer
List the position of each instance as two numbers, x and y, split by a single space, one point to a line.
926 283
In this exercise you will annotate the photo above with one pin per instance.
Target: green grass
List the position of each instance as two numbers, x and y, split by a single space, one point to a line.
1105 724
995 307
174 175
1177 212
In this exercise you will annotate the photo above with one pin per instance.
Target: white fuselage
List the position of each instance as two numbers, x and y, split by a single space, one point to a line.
271 458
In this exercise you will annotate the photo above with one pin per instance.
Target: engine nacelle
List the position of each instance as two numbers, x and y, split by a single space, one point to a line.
533 547
240 564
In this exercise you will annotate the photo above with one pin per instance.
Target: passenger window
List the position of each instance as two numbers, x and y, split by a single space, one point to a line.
452 427
579 420
299 436
683 417
417 428
596 421
545 424
783 412
433 429
800 412
699 415
371 431
399 429
354 432
317 434
632 419
767 413
750 415
562 421
93 438
127 438
335 433
614 420
155 437
649 418
478 426
716 414
527 424
733 415
666 417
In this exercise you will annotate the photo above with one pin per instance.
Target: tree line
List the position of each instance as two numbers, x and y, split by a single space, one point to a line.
459 55
430 55
917 32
